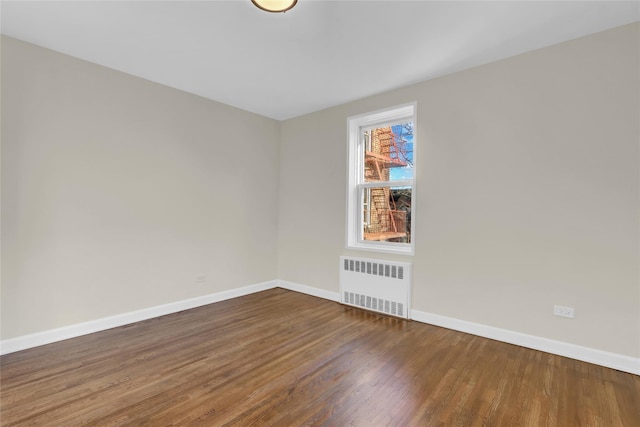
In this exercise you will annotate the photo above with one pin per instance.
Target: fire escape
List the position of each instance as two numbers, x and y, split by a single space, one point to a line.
386 223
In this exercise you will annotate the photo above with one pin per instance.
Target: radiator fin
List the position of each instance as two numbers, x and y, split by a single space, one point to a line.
376 304
386 270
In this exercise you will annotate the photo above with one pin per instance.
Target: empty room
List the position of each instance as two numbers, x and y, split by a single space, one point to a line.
331 213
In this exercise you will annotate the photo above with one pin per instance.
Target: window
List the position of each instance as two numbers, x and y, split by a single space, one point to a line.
381 180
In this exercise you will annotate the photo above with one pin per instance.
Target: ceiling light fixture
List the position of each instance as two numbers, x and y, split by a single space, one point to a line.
275 5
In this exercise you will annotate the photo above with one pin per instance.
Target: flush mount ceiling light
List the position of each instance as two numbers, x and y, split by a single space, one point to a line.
275 5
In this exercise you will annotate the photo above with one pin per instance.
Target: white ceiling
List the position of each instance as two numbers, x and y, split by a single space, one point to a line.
317 55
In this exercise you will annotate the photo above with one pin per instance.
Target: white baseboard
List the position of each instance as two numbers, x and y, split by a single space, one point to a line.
309 290
53 335
585 354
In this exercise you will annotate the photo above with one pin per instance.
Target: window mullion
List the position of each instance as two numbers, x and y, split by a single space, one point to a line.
375 184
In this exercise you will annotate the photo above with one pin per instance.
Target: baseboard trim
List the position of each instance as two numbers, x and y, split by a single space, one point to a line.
585 354
309 290
53 335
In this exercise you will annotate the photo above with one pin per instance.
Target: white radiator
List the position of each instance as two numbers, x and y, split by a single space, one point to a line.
382 286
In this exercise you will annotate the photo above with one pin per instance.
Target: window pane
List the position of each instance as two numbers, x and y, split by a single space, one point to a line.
388 153
387 214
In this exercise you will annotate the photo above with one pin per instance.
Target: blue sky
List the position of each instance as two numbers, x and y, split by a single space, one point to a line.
406 172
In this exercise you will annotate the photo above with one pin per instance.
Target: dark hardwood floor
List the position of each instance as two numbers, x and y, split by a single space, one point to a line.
286 359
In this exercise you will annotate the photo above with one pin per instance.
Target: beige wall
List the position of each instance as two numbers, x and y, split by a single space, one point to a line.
527 193
117 192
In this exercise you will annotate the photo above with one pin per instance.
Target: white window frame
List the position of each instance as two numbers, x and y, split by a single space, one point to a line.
355 177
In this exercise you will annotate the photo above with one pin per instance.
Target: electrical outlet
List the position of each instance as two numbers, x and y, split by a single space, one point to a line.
201 278
561 311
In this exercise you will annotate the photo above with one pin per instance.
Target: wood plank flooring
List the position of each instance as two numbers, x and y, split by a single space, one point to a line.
281 358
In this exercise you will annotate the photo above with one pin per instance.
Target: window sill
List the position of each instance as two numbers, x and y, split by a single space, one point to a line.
383 248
